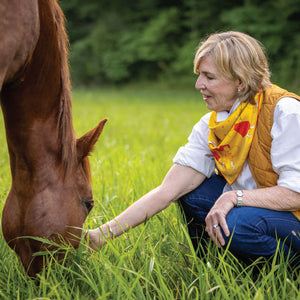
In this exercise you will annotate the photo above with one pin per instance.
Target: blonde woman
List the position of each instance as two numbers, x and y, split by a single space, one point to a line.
251 137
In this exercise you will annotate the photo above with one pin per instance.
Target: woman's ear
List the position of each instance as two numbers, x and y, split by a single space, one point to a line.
241 85
86 143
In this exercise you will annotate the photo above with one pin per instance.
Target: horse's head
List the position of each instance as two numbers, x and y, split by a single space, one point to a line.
48 200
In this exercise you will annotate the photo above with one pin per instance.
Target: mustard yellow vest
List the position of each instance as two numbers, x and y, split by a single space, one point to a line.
259 158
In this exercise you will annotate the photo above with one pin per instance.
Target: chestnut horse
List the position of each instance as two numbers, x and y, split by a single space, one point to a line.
50 195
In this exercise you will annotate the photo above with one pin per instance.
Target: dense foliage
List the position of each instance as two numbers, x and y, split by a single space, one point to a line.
121 41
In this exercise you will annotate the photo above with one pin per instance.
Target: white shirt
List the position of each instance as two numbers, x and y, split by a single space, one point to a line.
285 148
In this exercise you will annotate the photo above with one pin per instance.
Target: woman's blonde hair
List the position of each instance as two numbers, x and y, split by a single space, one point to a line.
237 56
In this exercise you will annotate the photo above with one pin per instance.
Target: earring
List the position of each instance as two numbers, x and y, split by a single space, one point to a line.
239 90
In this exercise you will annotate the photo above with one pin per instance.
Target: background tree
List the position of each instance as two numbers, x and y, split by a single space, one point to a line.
123 41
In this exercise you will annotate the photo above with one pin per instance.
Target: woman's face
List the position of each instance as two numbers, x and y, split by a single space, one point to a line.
218 92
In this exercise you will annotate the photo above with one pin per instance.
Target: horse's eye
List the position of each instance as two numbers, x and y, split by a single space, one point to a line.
89 204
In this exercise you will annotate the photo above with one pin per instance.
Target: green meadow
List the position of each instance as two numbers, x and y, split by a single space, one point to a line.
146 126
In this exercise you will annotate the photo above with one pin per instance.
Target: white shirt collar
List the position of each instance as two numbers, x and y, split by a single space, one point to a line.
223 115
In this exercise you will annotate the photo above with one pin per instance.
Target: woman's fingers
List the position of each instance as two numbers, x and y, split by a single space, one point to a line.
93 236
213 230
215 223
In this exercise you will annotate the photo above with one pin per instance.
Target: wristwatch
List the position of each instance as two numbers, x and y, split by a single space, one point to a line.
239 195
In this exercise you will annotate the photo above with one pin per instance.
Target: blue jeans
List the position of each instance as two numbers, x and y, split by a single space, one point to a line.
255 231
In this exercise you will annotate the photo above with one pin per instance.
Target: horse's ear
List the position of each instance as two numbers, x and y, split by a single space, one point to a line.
86 143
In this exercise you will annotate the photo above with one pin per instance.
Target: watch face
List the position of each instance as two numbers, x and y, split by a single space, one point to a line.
239 193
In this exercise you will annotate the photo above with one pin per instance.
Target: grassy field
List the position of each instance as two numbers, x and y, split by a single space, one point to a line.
155 260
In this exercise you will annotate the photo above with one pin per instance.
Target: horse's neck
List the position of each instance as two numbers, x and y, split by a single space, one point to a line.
36 106
33 141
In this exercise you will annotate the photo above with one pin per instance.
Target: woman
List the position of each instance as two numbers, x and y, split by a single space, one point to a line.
250 139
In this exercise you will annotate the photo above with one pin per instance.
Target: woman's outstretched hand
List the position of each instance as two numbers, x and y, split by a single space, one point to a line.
95 238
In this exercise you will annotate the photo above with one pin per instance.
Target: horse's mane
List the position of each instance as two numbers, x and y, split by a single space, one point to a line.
65 124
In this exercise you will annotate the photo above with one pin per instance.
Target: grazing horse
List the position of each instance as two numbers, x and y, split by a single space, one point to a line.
50 195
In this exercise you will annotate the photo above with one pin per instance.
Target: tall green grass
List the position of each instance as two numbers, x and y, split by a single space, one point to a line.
155 260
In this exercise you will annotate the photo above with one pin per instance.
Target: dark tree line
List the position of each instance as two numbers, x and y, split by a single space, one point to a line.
123 41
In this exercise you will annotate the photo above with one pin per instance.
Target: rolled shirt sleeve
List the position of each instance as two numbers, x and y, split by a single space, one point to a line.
285 149
196 153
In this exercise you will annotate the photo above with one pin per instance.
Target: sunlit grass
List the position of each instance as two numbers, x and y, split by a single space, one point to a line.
155 260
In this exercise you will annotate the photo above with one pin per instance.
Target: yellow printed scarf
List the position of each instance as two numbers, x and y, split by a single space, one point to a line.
230 140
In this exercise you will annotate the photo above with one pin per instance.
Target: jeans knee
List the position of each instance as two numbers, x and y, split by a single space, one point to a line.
247 234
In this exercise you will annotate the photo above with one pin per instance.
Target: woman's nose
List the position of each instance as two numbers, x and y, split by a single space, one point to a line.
199 83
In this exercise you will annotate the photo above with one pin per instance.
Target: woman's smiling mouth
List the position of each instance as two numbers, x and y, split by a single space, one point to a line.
205 97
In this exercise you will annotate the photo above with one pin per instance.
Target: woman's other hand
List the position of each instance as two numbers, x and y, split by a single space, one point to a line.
216 218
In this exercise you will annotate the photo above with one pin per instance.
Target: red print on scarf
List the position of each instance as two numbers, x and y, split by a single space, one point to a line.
242 128
220 148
